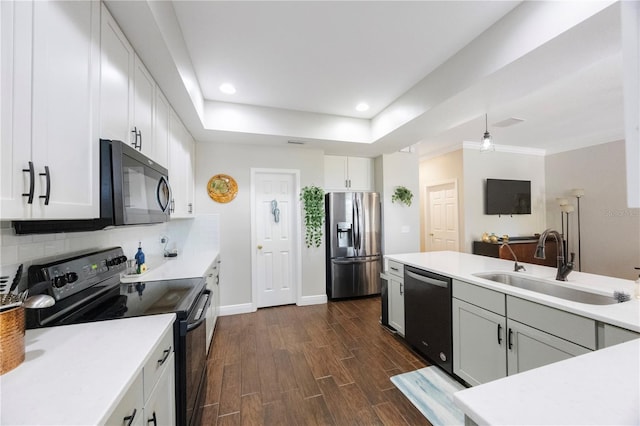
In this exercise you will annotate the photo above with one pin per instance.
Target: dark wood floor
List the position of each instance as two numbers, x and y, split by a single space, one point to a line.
322 364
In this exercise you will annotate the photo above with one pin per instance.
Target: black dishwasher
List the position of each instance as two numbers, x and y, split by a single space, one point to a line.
427 310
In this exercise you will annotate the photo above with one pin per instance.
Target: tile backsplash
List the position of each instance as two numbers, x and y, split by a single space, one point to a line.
184 235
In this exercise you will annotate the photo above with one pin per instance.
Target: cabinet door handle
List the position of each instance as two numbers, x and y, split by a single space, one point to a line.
165 355
31 183
499 334
401 288
153 419
129 419
47 193
139 135
510 339
190 207
173 206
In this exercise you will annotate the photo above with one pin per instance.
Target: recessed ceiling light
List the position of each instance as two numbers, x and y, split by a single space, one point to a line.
227 88
362 107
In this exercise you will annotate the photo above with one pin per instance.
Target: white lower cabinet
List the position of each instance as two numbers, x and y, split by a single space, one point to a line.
495 336
150 399
212 278
129 409
160 407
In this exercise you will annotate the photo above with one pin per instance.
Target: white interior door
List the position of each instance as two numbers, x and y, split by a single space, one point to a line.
442 217
275 236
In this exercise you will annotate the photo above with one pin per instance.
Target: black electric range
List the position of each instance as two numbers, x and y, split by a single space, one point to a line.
87 288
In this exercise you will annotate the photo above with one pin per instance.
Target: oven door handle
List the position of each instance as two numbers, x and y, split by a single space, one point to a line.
201 310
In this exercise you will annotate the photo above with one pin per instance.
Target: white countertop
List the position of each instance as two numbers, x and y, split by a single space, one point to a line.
185 265
599 388
76 374
463 265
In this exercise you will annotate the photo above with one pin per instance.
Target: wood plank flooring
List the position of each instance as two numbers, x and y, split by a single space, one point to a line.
308 365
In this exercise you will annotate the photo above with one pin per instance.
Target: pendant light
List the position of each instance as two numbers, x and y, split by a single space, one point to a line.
487 141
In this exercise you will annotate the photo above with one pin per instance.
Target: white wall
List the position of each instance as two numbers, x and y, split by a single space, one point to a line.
501 165
401 224
184 235
610 231
235 216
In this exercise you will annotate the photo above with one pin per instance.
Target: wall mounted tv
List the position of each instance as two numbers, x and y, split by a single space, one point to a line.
504 196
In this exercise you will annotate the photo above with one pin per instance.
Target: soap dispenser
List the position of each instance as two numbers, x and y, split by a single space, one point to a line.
140 260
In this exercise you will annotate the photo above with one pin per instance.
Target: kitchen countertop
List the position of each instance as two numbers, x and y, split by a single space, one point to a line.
76 374
598 388
601 387
185 265
463 265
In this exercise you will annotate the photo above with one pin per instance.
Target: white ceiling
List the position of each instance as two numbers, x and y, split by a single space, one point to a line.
323 57
326 56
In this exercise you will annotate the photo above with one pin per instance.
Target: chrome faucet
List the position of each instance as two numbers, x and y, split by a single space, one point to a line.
516 266
564 268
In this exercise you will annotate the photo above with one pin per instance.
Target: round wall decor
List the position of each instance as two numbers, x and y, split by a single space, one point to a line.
222 188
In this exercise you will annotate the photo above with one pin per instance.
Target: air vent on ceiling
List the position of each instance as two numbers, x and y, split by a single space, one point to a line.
512 121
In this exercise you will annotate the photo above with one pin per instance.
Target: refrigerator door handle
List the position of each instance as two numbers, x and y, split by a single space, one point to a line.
356 220
352 261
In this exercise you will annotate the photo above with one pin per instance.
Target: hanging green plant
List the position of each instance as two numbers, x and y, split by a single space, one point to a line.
312 198
402 195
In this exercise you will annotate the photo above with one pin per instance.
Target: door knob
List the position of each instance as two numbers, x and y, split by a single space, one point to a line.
259 247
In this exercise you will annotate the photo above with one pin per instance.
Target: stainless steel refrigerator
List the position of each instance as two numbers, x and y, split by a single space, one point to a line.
354 254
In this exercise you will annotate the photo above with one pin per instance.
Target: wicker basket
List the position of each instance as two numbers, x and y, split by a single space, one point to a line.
11 339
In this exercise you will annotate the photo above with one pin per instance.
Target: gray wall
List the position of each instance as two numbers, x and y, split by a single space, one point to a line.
235 216
610 231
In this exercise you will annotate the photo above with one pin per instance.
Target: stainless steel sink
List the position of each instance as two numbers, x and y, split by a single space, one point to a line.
547 288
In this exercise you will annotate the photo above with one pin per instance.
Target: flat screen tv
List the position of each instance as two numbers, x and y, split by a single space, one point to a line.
503 196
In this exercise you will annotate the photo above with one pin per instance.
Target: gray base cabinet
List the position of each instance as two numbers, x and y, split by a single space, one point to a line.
495 336
529 348
479 354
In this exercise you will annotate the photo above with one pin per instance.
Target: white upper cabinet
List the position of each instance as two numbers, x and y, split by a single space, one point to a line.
143 100
129 97
161 128
50 95
117 67
348 173
181 168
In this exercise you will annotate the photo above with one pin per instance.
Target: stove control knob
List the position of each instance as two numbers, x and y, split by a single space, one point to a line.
71 277
60 281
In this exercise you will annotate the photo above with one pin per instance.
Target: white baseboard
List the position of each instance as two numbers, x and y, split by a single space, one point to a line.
245 308
313 300
242 308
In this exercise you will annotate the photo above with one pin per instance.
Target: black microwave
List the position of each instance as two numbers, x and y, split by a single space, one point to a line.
134 189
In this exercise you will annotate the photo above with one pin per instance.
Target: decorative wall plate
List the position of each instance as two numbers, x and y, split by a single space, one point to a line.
222 188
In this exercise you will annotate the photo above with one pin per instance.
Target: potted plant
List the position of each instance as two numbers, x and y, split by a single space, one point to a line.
312 198
402 195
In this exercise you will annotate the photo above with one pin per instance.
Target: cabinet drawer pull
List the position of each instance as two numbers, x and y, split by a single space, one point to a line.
129 419
153 419
47 193
394 269
165 355
401 289
31 183
499 334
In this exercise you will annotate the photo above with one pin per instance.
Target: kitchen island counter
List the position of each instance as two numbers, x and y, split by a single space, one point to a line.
598 388
77 374
463 266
